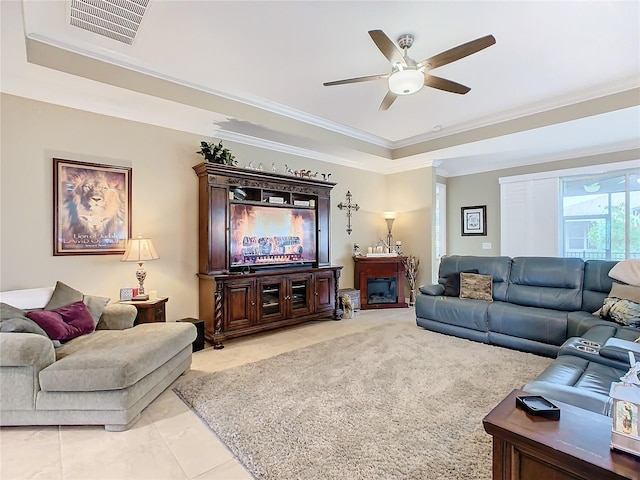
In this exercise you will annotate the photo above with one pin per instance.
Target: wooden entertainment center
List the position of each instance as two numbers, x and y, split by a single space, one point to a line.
240 295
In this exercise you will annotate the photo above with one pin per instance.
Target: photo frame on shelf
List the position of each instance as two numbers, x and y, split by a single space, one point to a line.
474 220
91 208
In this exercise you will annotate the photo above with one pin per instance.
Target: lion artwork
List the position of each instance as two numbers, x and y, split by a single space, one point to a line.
93 212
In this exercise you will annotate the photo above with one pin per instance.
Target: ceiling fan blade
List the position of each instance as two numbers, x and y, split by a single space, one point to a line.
387 47
444 84
356 80
389 98
456 53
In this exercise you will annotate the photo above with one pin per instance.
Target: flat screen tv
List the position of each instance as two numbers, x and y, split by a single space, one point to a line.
271 235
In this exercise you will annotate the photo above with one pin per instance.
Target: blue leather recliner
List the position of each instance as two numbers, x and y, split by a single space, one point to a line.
542 305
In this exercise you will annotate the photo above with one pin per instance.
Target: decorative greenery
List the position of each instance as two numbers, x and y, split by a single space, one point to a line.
411 264
217 153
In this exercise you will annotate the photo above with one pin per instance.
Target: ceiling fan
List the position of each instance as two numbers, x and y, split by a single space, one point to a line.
407 76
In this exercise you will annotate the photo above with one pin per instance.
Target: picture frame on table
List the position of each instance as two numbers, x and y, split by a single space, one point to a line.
91 208
474 220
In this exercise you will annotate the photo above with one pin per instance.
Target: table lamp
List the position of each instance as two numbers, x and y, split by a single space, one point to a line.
140 250
389 217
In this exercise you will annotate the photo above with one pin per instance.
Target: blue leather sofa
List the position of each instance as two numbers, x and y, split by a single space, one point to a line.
542 305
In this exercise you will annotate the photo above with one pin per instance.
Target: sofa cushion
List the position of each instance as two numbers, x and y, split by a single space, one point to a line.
619 290
579 322
497 267
433 290
627 271
14 320
538 324
452 283
476 286
622 311
64 295
463 313
96 306
596 284
547 282
628 292
115 359
577 381
66 322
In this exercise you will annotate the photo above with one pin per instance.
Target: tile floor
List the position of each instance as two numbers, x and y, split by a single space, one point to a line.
169 441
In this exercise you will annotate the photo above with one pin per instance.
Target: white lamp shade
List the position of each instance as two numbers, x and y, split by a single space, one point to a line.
406 82
139 250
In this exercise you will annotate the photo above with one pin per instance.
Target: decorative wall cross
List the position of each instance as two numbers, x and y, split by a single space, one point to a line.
350 207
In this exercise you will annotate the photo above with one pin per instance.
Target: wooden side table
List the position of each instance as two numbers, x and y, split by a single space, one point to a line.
150 311
575 447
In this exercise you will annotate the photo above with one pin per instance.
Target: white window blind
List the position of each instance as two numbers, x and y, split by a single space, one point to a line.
529 217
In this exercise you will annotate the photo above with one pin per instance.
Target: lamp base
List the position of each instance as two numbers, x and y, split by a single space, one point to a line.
140 298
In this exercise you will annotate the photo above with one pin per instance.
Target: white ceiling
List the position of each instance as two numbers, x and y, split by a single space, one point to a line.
562 80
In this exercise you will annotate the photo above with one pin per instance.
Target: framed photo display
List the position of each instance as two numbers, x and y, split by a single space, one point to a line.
91 208
474 220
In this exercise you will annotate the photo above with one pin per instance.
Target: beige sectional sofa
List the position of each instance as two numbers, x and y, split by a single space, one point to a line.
106 377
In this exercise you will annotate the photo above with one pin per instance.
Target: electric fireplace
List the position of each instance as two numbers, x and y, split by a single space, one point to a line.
382 290
380 281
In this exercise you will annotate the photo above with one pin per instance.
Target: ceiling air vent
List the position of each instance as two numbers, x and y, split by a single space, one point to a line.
115 19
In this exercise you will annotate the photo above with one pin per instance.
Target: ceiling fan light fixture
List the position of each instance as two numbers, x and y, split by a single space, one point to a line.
406 82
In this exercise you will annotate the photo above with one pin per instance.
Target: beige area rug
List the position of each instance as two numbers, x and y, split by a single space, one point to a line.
395 402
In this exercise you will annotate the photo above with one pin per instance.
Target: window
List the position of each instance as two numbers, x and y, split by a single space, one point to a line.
601 216
590 212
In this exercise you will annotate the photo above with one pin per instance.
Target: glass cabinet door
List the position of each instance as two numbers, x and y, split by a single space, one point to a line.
299 289
299 295
271 299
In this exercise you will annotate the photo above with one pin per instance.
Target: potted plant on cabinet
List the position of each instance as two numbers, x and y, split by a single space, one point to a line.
216 153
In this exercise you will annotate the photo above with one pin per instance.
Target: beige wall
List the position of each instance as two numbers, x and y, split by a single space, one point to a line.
164 200
484 189
412 196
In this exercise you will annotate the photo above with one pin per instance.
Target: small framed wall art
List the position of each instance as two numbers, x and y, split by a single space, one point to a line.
91 208
474 220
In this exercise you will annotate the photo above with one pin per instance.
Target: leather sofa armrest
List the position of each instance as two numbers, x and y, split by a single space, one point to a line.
117 316
25 350
619 350
433 290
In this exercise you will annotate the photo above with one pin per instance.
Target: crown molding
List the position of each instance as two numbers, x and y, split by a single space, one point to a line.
612 88
288 149
248 100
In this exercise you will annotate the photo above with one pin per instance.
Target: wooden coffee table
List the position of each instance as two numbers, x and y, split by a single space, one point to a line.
574 447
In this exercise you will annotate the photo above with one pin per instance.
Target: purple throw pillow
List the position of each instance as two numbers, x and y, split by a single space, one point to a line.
64 323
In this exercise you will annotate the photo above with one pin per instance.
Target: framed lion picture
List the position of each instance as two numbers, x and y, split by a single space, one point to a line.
91 208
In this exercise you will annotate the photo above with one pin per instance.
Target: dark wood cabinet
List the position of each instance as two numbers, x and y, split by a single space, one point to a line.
239 299
576 447
150 311
239 305
324 292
